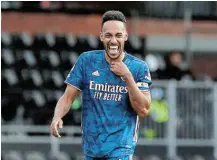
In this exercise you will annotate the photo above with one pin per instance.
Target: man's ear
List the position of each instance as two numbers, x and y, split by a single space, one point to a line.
101 37
126 36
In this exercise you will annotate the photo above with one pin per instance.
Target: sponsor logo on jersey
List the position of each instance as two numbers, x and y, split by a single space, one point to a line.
107 92
107 87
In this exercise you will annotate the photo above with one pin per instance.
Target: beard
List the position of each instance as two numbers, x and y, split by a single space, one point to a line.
113 51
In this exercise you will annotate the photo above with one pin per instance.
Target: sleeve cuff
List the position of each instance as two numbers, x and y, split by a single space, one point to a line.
66 82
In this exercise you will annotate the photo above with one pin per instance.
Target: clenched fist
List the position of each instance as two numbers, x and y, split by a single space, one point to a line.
119 68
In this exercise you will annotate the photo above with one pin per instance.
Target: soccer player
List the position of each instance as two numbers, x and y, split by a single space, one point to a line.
115 93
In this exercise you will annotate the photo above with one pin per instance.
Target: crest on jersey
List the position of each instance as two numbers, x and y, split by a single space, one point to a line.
122 79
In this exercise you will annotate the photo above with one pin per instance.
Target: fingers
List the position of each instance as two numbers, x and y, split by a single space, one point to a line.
119 68
113 65
113 70
57 133
60 124
146 111
54 130
116 67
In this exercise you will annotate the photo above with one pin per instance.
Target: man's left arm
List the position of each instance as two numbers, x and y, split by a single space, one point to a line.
139 93
140 100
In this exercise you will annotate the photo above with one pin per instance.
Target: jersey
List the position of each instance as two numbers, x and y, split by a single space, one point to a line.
109 123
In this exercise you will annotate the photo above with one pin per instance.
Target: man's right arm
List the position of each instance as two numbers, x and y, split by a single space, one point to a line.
75 83
62 108
65 102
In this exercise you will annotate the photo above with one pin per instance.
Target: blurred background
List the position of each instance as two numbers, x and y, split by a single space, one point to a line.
40 42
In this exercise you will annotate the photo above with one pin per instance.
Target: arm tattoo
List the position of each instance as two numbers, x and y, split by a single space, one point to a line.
65 109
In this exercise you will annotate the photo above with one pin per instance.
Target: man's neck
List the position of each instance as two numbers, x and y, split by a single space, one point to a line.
120 58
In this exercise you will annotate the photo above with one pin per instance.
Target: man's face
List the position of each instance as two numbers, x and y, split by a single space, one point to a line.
113 36
176 59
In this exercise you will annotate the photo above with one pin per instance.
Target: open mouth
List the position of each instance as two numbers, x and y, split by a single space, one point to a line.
113 47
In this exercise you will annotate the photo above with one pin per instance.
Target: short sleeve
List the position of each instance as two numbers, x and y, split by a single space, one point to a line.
75 76
144 77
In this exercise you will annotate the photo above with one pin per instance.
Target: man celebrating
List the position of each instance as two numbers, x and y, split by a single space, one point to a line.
115 93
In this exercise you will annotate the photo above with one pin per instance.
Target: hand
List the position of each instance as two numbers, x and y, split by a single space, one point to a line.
119 68
53 127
